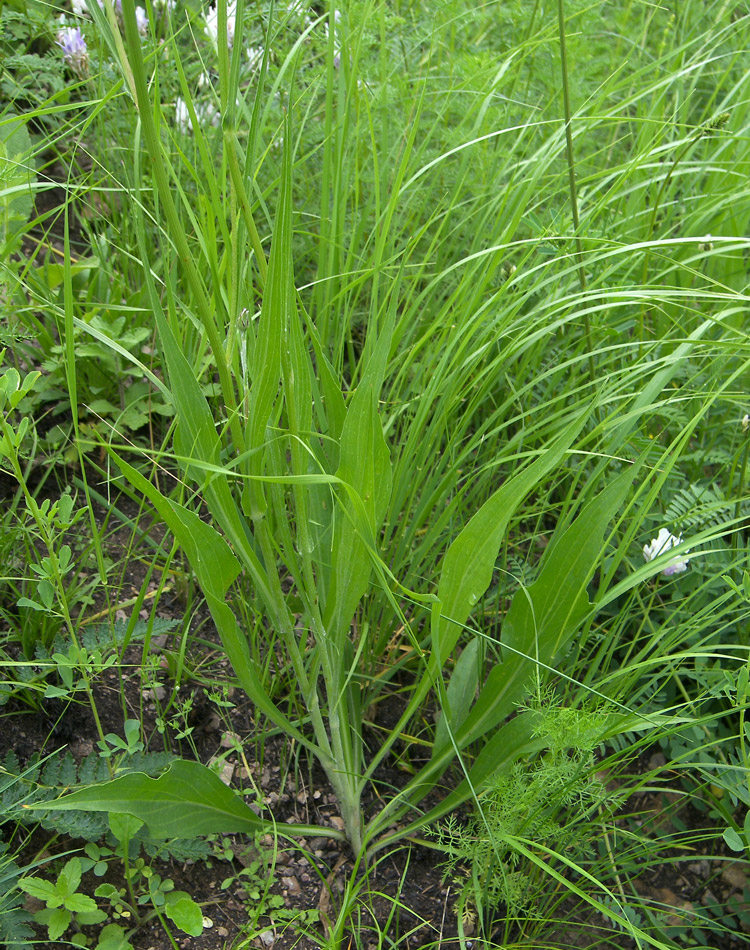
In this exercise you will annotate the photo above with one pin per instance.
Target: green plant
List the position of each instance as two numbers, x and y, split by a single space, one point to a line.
32 70
434 385
319 543
65 905
16 177
120 839
253 881
44 525
14 920
358 487
144 885
53 670
549 801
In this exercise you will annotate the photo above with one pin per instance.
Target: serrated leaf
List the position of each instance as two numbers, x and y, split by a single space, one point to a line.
113 937
39 888
67 770
58 922
69 878
82 904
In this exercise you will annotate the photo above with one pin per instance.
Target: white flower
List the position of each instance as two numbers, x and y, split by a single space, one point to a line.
255 57
745 422
74 49
206 114
80 8
212 24
662 543
182 116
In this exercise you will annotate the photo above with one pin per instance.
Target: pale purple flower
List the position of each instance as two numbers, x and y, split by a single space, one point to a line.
141 21
74 50
336 38
662 543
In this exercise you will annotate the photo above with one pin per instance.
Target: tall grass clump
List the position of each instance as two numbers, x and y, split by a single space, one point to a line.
438 354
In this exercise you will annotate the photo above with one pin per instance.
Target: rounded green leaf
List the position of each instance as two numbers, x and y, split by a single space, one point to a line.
184 913
733 840
92 917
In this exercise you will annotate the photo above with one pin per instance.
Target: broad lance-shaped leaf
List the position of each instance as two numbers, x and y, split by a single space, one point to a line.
541 620
459 695
187 799
543 617
268 354
198 448
466 574
365 466
470 560
296 366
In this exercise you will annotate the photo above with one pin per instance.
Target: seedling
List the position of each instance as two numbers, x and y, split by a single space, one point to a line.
65 905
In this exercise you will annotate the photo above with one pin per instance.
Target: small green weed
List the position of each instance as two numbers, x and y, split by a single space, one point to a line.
65 905
549 800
